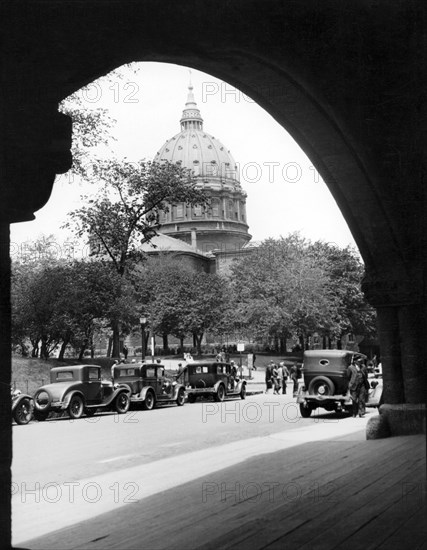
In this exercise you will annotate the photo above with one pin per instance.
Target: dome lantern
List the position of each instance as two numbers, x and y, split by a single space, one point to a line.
191 118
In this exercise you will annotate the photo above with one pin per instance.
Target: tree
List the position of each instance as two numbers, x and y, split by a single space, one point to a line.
180 300
282 290
126 211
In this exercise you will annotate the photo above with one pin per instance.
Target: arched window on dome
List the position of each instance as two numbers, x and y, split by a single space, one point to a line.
162 216
215 205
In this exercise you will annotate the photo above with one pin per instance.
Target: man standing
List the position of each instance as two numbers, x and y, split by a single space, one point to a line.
268 376
294 378
358 386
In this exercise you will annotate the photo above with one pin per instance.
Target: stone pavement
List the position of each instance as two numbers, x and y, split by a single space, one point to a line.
319 487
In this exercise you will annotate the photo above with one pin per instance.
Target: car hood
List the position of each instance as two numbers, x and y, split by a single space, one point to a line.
59 388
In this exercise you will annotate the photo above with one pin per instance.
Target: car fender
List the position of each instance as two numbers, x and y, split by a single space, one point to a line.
239 385
19 398
69 395
374 397
218 384
121 389
176 389
144 391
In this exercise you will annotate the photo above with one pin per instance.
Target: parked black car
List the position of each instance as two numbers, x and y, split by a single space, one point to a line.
149 384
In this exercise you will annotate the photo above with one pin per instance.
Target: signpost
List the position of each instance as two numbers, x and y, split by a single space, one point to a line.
240 348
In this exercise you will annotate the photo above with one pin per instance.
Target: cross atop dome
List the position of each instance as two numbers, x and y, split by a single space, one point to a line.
191 118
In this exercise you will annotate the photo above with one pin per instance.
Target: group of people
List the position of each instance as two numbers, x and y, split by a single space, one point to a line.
358 386
276 377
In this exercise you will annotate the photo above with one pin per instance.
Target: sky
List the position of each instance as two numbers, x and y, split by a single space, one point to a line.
284 191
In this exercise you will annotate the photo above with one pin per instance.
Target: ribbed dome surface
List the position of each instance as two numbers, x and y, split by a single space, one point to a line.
201 152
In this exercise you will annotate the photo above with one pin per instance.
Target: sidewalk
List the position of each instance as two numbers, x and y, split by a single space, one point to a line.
331 493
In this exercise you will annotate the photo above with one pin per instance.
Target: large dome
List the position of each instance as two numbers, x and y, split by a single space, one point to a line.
201 152
221 224
197 150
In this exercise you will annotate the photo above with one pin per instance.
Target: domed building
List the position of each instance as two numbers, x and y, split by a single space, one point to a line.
222 227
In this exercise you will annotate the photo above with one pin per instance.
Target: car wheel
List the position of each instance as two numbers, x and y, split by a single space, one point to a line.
304 410
191 398
40 416
122 403
180 400
75 407
243 392
320 385
148 403
90 411
220 394
23 411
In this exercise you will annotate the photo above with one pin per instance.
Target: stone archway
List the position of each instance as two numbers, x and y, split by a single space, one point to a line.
347 82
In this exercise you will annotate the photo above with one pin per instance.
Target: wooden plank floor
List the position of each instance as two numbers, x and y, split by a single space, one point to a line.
344 493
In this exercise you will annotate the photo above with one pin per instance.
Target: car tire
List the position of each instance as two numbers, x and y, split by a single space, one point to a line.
304 410
243 392
149 401
321 382
23 411
180 400
75 407
220 393
191 398
122 403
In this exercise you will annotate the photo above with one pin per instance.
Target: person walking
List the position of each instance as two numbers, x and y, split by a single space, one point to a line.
280 376
358 386
294 378
274 376
268 377
285 376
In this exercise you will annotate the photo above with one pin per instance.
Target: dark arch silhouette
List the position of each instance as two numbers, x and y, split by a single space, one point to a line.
347 81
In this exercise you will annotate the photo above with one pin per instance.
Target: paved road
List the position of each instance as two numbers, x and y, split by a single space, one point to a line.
65 471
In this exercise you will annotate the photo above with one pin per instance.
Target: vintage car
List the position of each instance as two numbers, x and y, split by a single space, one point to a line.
79 389
326 382
22 407
212 379
149 385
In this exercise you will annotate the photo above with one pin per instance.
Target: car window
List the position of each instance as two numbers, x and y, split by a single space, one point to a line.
150 373
219 369
64 375
93 374
160 372
198 370
205 369
127 372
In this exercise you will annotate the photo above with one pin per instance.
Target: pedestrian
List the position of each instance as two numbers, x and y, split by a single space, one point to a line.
294 378
125 352
268 377
285 377
275 377
233 374
358 386
280 376
253 364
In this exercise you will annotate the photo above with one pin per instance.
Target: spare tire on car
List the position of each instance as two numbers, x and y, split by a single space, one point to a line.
322 386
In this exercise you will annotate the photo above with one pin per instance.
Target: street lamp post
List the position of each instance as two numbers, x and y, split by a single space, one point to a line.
143 321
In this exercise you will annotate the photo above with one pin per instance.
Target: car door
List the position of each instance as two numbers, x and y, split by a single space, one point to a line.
93 385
